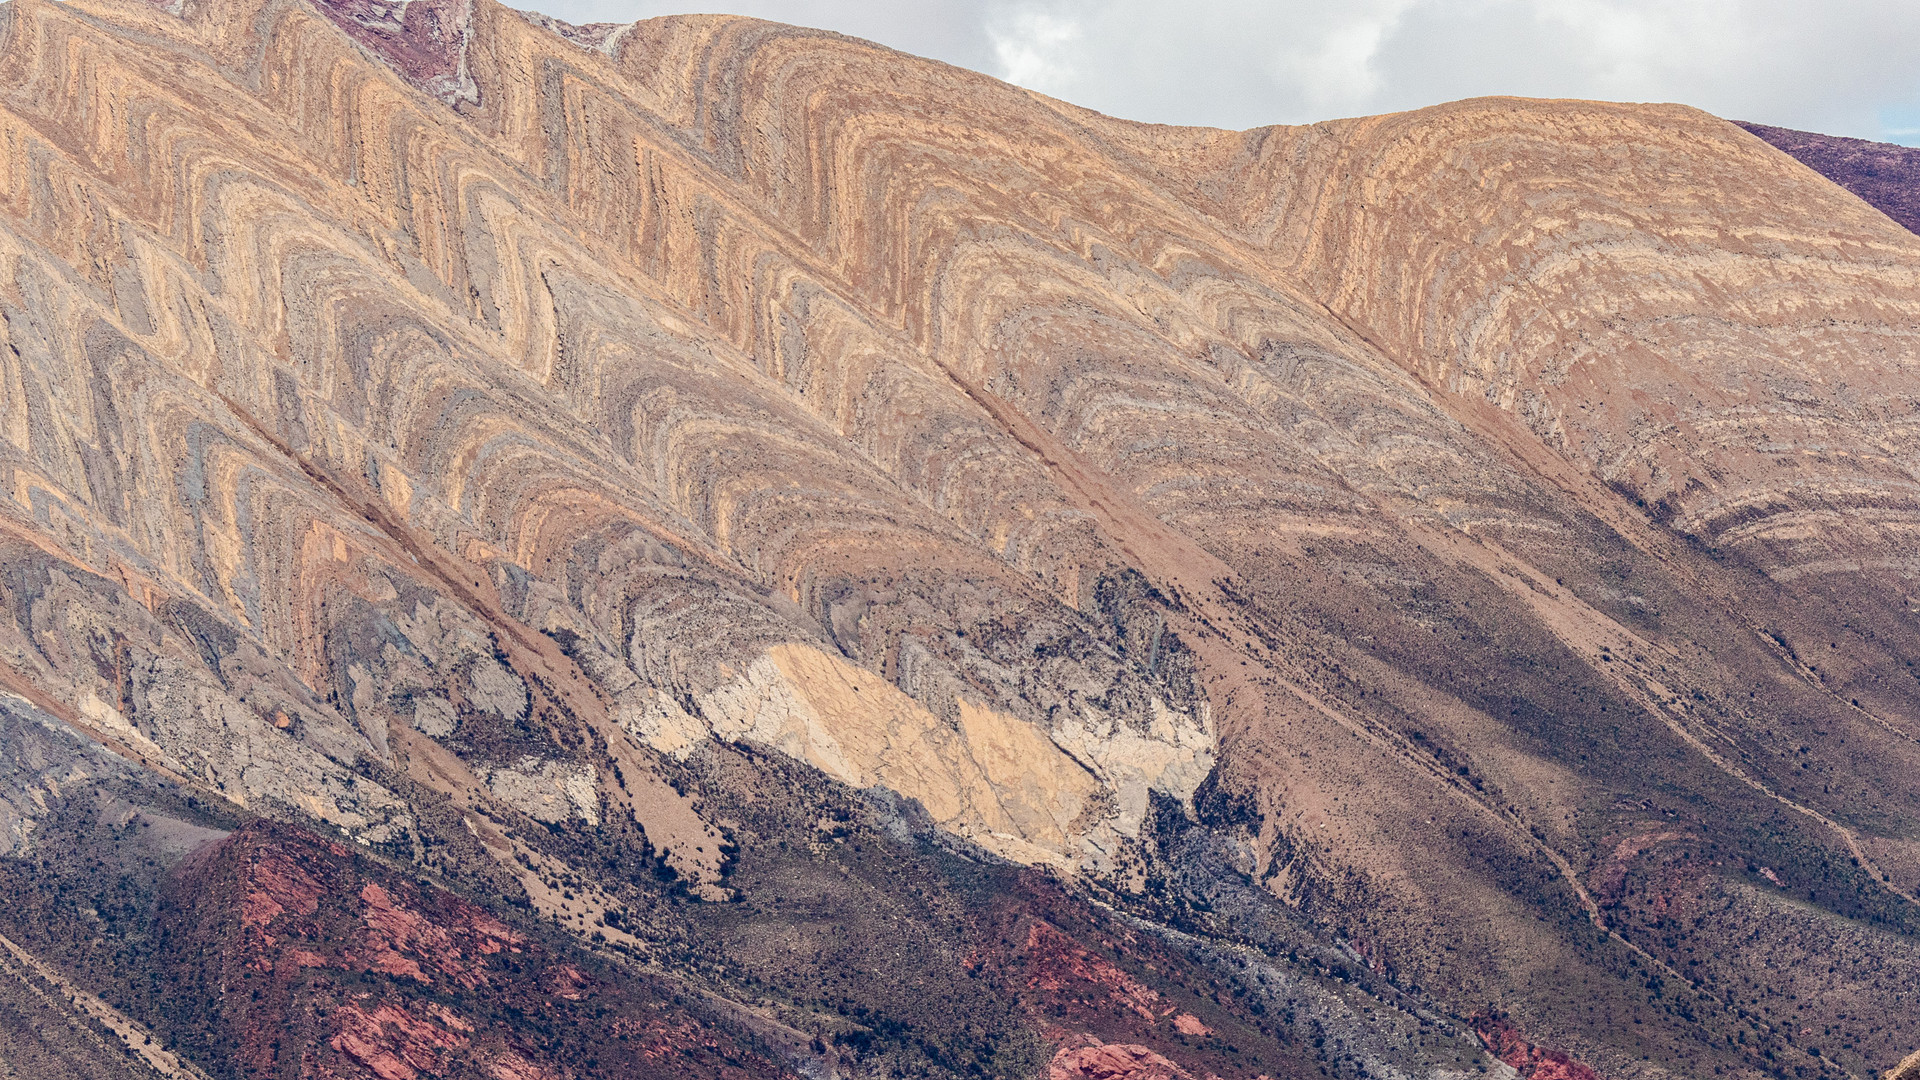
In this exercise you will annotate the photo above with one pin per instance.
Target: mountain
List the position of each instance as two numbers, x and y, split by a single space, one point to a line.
707 548
1884 175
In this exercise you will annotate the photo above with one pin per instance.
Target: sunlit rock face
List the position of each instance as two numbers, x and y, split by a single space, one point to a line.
938 581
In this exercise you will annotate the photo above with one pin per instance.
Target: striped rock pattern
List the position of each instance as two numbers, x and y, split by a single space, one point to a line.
1487 532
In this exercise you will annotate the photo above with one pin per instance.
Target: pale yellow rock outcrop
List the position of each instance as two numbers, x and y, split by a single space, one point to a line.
988 776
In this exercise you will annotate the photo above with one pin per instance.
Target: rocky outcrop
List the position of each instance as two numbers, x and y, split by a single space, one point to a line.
318 965
1113 1063
1528 1060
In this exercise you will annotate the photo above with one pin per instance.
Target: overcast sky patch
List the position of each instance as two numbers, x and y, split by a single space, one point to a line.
1844 67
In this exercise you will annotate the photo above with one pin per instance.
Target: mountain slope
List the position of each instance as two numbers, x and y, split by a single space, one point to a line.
1883 174
923 578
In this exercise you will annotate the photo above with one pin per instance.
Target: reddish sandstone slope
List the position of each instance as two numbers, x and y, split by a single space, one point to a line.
286 956
743 502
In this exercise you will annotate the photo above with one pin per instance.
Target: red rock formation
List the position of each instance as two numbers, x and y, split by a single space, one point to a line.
392 1044
1113 1062
1533 1062
1055 962
318 957
1100 1015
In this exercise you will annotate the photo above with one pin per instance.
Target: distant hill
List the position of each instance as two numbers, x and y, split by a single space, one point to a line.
1885 175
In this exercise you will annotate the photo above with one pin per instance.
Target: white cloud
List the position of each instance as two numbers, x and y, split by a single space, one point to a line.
1031 49
1339 63
1849 67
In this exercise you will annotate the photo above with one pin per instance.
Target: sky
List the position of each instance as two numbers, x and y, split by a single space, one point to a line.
1843 67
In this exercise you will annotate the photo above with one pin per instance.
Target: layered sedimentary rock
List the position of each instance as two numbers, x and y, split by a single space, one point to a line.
854 568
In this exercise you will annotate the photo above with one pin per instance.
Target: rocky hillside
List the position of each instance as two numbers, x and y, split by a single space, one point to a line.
1885 175
705 548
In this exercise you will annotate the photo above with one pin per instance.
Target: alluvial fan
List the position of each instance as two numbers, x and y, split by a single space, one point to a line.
710 549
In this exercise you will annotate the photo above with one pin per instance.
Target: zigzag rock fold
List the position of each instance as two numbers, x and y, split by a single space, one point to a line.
707 548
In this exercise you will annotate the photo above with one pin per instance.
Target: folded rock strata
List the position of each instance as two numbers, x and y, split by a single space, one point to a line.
775 523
